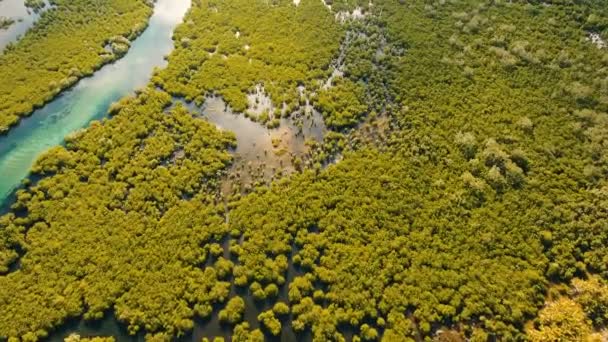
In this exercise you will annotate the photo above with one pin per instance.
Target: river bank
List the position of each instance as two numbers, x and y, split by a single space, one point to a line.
90 99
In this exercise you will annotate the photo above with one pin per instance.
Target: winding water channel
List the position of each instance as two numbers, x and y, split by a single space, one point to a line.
90 98
260 152
23 19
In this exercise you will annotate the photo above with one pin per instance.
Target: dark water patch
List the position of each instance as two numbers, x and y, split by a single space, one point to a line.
209 327
16 264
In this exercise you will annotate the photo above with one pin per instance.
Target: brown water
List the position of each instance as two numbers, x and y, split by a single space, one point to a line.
210 327
262 154
257 159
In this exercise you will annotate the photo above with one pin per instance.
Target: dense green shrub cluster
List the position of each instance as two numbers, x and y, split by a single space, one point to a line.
572 313
341 104
77 338
374 248
121 220
66 44
233 313
35 5
492 185
229 47
487 193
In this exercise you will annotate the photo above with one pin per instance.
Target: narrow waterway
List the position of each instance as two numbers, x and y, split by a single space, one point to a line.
89 99
23 18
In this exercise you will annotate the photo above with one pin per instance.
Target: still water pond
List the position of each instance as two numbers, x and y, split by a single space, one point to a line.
90 98
23 18
260 152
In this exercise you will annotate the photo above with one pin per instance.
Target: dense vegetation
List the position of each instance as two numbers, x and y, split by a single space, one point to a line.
35 5
229 47
128 193
67 43
469 202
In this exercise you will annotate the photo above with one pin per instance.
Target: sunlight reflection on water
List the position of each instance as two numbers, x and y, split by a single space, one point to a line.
90 98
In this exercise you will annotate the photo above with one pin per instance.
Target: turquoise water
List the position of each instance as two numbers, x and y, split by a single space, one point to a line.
90 98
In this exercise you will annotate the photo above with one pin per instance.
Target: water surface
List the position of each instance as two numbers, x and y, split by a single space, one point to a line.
24 19
90 98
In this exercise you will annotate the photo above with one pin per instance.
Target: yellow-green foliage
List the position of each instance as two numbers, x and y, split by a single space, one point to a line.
229 46
77 338
6 23
65 44
490 187
281 309
10 237
233 312
592 295
490 183
120 221
342 105
270 322
562 320
243 333
379 252
35 5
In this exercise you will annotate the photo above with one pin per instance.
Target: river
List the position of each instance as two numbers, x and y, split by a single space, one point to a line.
260 152
90 98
